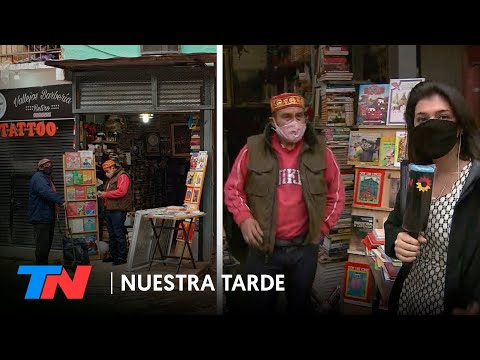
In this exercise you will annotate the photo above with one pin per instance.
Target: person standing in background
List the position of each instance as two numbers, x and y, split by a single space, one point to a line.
118 199
43 208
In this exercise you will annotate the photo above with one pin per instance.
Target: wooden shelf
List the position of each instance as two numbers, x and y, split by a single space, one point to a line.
403 127
81 185
378 208
81 216
76 200
378 167
76 169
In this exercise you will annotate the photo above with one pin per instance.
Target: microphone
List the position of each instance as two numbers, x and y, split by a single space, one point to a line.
419 198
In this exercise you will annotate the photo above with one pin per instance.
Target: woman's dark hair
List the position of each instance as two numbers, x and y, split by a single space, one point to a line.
470 128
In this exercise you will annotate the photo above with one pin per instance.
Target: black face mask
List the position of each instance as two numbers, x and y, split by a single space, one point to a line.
433 139
47 170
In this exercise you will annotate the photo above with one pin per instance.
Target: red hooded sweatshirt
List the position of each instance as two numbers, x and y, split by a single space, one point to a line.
292 214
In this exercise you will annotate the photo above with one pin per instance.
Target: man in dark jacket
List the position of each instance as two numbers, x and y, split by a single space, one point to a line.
43 207
118 199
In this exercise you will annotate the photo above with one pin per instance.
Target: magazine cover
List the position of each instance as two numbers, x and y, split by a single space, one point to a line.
368 187
372 104
398 96
357 284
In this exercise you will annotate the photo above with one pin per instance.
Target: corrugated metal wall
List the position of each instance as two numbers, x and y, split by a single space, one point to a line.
18 161
160 89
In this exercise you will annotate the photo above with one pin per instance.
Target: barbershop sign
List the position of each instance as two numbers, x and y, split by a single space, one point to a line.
36 103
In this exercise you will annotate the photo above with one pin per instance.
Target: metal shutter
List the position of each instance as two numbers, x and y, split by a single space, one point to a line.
18 161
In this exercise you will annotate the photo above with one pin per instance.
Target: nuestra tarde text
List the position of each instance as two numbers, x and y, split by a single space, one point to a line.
190 282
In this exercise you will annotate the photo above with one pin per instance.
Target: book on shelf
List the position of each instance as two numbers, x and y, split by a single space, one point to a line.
89 224
368 187
364 148
80 192
373 104
86 159
361 227
72 160
399 91
357 284
400 147
70 193
387 151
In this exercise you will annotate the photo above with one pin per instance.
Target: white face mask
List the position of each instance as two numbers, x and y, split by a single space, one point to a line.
291 132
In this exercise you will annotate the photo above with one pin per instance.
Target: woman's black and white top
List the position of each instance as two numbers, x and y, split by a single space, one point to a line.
423 290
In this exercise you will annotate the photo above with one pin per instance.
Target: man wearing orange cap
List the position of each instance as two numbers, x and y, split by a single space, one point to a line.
43 208
118 199
285 192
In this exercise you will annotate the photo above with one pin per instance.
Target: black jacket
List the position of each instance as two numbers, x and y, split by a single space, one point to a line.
462 276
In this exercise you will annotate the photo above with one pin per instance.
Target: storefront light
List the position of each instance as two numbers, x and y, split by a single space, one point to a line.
146 117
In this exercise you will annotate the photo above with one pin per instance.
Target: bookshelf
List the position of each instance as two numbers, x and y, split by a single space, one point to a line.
193 194
80 187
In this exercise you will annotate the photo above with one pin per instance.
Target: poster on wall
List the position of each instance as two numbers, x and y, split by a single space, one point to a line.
45 102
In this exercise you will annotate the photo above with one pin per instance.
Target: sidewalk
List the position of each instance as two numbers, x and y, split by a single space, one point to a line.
98 301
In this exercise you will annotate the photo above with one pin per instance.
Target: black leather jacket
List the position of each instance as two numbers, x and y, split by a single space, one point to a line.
462 276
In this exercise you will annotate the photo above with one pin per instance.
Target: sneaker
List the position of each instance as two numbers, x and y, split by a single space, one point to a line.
109 259
119 262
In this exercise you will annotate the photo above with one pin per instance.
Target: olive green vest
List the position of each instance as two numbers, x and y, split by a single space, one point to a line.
123 203
262 182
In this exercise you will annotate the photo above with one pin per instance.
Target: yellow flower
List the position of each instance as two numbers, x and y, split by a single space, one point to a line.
424 184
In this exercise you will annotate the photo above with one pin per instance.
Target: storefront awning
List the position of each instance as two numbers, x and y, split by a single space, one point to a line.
126 62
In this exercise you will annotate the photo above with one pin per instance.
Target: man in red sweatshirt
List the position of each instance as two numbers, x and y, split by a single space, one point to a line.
118 199
285 192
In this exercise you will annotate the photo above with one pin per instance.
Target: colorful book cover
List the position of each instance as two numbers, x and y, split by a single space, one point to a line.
190 176
357 284
363 148
87 176
387 151
80 193
400 147
189 194
91 241
76 225
69 178
193 161
72 209
361 227
77 177
91 192
72 160
89 224
398 96
196 197
80 208
201 162
198 179
70 193
368 187
86 159
90 208
372 104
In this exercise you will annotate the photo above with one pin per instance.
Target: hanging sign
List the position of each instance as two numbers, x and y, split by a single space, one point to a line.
36 103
